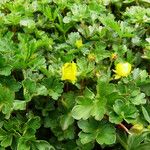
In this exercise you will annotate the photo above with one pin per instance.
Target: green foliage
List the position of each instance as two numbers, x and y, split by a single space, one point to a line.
136 141
6 100
40 111
103 132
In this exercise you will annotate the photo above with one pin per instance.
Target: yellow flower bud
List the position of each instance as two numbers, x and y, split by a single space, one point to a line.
123 69
79 43
69 72
137 128
97 74
113 56
91 57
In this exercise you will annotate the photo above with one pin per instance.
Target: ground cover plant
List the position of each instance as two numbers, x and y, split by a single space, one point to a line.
74 74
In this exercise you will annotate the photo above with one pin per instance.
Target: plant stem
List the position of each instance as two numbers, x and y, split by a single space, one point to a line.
126 129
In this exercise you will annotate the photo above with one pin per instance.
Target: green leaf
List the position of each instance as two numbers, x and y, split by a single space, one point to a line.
135 140
106 134
3 133
51 121
79 11
65 134
144 146
88 93
88 126
10 83
72 37
83 109
28 134
114 118
146 114
22 145
54 87
47 11
26 22
5 138
33 123
86 137
89 106
6 71
103 132
66 120
31 88
37 62
82 64
87 146
145 87
43 145
2 148
14 125
136 14
125 111
7 141
68 100
110 23
104 88
138 99
19 105
99 109
122 138
6 100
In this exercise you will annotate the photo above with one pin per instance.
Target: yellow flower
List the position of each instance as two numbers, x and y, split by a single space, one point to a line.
79 43
122 70
69 72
